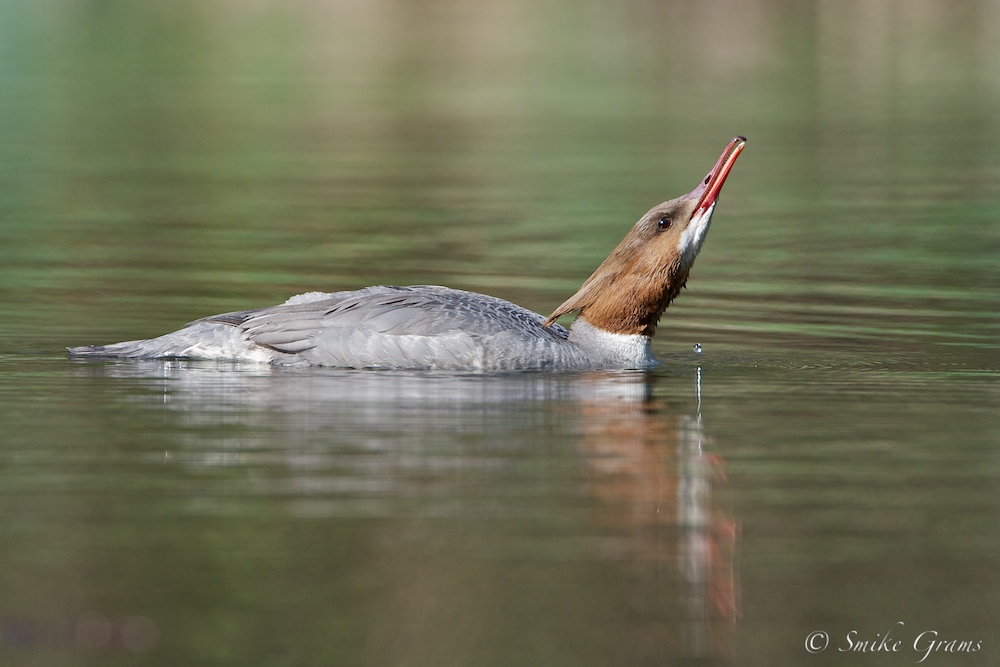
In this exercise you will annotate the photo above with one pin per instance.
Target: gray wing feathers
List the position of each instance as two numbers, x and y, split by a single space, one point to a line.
378 325
387 327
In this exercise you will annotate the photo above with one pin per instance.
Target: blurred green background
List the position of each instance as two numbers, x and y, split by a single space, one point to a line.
160 161
828 462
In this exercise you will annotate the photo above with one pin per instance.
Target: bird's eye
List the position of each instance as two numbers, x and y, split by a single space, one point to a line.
664 223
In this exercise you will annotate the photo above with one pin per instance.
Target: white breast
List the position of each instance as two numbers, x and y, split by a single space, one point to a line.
612 349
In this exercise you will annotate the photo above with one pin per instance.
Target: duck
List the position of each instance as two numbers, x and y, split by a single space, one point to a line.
423 327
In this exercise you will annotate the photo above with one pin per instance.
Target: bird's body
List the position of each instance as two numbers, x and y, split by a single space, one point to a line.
419 327
430 327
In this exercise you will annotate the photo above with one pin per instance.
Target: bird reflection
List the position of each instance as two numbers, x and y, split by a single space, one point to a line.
655 478
603 457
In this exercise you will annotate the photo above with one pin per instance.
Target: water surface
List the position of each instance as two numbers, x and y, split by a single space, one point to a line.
827 462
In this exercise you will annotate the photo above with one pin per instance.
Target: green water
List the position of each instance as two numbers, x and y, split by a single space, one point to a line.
828 462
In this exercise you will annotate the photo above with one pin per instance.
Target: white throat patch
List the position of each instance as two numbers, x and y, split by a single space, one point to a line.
693 237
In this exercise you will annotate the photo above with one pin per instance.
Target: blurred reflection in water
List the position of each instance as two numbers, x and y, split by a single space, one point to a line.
540 474
655 481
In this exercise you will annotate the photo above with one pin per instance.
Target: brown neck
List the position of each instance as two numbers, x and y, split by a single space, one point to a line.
632 311
626 300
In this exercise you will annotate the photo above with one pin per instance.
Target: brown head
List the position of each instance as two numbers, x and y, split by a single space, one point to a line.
630 290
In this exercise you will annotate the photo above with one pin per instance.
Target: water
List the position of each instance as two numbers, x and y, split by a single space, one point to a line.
817 453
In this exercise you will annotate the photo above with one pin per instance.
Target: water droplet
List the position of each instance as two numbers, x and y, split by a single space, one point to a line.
697 348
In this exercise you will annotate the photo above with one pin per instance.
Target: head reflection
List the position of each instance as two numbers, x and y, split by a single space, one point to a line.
655 477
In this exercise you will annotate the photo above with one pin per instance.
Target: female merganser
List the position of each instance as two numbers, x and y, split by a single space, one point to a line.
430 327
